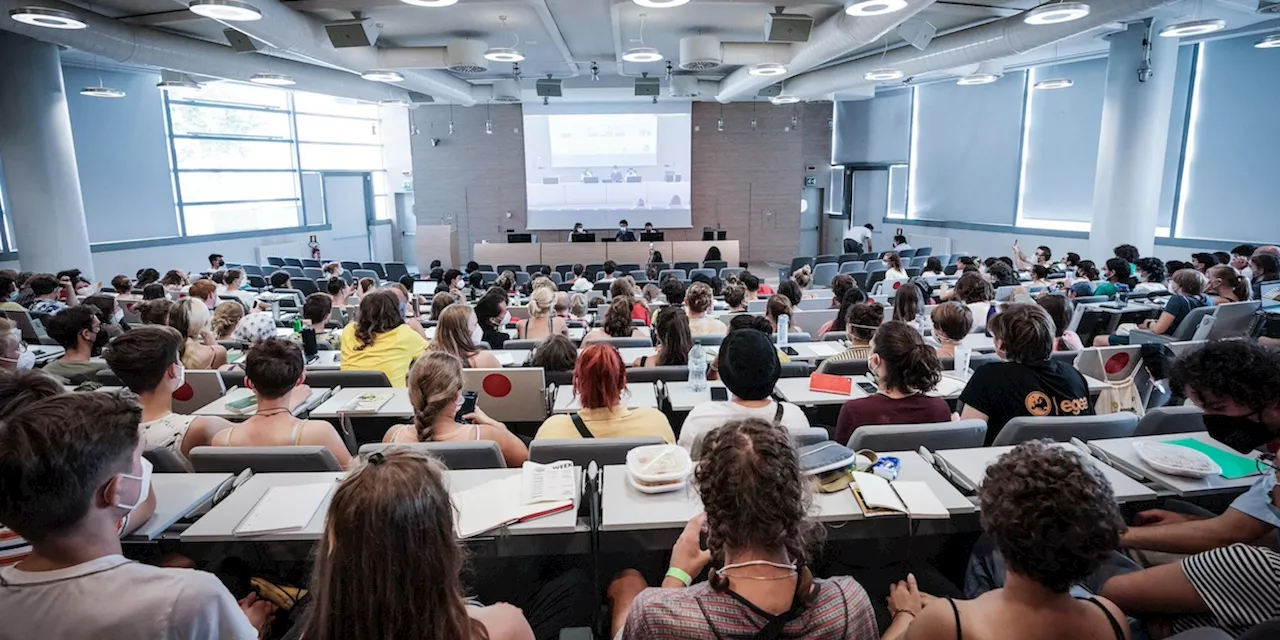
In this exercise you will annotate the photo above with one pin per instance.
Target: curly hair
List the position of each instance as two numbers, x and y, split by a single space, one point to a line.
865 319
225 318
698 298
1153 267
1051 514
755 496
1216 370
803 276
617 319
971 288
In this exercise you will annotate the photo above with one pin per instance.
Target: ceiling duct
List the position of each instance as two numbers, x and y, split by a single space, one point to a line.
691 87
1000 39
701 53
412 58
466 56
506 90
135 45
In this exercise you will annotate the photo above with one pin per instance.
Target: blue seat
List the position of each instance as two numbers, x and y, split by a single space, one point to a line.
847 257
874 265
488 276
554 275
561 269
628 267
350 265
294 272
796 263
924 251
314 273
539 268
507 267
824 273
638 274
825 259
852 267
251 270
919 261
396 270
307 287
679 274
686 266
375 267
715 264
860 278
523 278
907 253
360 274
710 273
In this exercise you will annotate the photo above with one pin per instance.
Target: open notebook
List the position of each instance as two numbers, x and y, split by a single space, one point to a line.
369 402
879 497
540 490
285 508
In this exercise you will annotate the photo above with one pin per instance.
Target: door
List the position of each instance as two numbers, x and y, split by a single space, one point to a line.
810 218
348 205
407 222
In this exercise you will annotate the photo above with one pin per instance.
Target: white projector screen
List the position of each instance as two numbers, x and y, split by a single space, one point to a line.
600 163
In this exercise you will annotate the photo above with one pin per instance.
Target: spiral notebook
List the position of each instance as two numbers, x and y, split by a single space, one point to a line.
285 508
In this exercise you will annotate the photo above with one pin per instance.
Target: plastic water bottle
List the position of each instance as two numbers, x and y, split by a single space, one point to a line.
784 328
697 367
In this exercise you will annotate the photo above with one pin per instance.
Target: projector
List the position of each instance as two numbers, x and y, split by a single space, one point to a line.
771 91
780 27
240 43
352 33
647 87
548 88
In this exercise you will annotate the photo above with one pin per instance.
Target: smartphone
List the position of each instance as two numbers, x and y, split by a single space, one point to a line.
468 407
869 388
790 351
719 394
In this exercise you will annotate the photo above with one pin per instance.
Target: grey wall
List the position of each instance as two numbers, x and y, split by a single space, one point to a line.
877 130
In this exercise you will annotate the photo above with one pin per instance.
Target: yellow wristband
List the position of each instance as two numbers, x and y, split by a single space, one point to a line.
680 575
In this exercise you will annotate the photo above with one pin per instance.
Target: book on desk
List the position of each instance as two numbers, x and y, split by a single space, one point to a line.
537 491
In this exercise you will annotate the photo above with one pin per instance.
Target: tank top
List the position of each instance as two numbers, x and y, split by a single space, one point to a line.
1115 626
398 429
168 431
294 438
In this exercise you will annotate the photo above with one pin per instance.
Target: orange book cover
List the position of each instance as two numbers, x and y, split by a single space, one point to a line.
826 383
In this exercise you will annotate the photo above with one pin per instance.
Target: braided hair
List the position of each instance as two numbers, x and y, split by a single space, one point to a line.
434 384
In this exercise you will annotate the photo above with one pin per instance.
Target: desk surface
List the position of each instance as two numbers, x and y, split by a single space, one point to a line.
1119 452
328 360
684 399
638 394
970 466
398 406
177 496
219 408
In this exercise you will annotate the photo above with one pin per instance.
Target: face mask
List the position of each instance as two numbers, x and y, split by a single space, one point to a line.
117 316
623 229
404 309
13 297
506 318
26 360
144 486
181 378
1241 433
100 341
477 336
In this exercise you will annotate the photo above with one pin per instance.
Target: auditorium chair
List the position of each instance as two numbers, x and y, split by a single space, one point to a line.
457 456
961 434
582 452
375 267
1170 420
1063 429
290 459
852 267
396 270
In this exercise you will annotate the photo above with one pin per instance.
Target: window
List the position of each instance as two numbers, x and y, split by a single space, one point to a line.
899 174
7 245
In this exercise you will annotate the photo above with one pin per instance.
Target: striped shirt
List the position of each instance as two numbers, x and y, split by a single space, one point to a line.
841 611
13 549
1241 585
853 353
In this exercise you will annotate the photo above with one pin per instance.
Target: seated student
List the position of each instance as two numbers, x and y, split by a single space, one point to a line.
626 286
226 317
1039 276
255 328
338 289
864 319
1028 382
154 291
900 243
1151 275
698 300
735 298
456 335
408 307
1116 273
598 383
475 287
760 537
49 294
1226 286
317 309
541 322
792 291
673 291
1202 262
154 312
852 296
748 365
578 307
380 340
439 302
9 291
274 371
893 267
841 285
76 330
206 291
971 289
1186 287
14 355
908 306
1229 580
492 317
556 353
616 322
435 390
581 282
1053 520
110 314
952 322
777 306
932 268
803 277
906 369
671 338
1043 257
1002 275
1061 309
280 280
755 286
191 318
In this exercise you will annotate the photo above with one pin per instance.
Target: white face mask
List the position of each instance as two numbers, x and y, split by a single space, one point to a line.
477 336
181 378
144 486
506 318
117 316
25 361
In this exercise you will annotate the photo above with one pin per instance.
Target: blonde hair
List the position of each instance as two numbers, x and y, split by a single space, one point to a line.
543 282
189 316
225 318
698 297
434 383
7 328
542 301
578 305
453 332
803 276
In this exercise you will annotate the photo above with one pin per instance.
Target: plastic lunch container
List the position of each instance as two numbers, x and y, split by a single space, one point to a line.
658 468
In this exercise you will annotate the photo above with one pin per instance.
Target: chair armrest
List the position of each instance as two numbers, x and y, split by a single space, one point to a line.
1142 336
576 633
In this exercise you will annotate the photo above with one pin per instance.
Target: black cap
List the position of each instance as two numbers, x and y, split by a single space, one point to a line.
748 364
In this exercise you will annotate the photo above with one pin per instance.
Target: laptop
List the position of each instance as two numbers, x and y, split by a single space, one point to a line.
424 287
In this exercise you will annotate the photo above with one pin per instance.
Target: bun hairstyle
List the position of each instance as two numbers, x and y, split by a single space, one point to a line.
865 319
617 319
1232 280
542 302
777 306
803 276
698 297
434 384
910 364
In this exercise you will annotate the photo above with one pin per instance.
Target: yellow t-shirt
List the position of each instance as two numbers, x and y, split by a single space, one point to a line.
618 422
391 353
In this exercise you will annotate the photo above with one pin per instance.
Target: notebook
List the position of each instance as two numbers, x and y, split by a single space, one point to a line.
825 349
367 402
826 383
547 482
288 508
879 497
504 358
499 503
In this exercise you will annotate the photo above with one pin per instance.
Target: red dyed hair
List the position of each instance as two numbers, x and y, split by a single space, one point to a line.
600 376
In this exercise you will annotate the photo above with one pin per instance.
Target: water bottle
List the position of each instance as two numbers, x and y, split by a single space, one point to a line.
784 328
297 324
697 367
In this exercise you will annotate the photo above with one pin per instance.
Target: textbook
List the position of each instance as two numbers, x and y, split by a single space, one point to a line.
285 508
498 503
367 402
879 497
826 383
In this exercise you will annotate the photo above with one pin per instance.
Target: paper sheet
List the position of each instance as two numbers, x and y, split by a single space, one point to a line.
547 482
287 508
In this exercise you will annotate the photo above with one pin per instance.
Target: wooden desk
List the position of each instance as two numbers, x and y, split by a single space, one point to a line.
554 253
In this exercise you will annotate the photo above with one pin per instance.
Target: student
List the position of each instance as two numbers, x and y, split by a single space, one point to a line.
49 294
932 268
616 322
1027 382
1151 276
952 322
120 286
1203 261
1002 275
864 319
338 290
1061 309
255 328
760 585
712 255
900 243
76 330
216 262
906 369
624 234
69 585
455 335
555 354
492 316
851 297
858 239
1117 273
154 312
205 291
578 228
778 306
1043 257
1265 267
541 322
176 280
332 270
626 287
317 309
1226 286
748 365
671 338
439 302
274 370
226 317
8 295
380 340
578 307
1053 519
908 305
145 277
975 292
453 281
191 318
475 287
1129 254
893 267
1240 260
1186 288
581 283
698 300
803 277
673 291
598 383
1039 276
735 297
408 307
14 355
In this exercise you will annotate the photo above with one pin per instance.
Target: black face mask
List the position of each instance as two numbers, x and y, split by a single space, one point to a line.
1238 432
99 343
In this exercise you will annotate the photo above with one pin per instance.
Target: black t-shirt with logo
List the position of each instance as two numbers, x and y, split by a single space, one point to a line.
1007 390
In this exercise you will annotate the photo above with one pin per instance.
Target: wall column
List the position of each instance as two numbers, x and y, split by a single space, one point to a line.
1135 133
42 183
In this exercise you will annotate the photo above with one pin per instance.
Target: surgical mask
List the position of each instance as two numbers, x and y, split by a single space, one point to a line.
181 378
506 319
117 316
1242 433
25 361
144 486
622 228
477 335
13 297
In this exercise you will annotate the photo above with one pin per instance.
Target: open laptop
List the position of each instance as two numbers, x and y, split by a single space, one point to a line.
424 287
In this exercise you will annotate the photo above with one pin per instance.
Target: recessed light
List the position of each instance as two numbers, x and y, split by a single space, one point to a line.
642 54
272 79
1270 42
503 54
784 99
1057 13
1192 28
394 102
101 92
660 4
768 69
50 18
382 75
1055 83
977 79
229 10
430 3
875 7
879 75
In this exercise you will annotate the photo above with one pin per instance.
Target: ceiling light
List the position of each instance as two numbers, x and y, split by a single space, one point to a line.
229 10
394 102
660 4
1192 28
768 69
382 75
503 54
875 7
178 87
1055 83
51 18
430 3
1270 42
878 75
272 79
1056 13
642 54
977 79
784 99
101 92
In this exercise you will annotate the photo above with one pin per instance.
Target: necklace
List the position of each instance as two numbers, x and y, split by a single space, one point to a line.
272 411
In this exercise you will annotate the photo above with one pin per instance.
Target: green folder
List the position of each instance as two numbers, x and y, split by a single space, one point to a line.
1233 466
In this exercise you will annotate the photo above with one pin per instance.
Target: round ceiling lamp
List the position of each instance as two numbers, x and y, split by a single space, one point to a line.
1270 42
382 75
430 3
272 79
503 54
881 75
1057 13
101 92
768 69
1193 28
660 4
49 18
976 79
642 54
228 10
784 99
1054 83
875 7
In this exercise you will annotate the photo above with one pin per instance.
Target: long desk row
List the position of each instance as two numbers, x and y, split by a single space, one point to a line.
554 253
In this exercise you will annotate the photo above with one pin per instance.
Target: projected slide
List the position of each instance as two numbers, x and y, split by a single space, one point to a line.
598 164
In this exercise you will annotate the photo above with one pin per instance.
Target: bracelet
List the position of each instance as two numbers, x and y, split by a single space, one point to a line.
897 611
680 575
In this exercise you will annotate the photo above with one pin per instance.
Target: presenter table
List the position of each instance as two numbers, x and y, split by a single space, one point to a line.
1119 453
553 253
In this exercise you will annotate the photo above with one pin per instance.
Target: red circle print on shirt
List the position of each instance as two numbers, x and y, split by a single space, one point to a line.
497 386
1117 363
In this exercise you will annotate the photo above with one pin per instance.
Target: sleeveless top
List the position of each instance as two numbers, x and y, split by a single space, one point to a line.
168 431
1115 626
400 428
294 439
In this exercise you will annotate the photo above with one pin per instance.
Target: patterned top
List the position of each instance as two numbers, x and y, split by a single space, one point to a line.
48 306
852 353
841 611
167 432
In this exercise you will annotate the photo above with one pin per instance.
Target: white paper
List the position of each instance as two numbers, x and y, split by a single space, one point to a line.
920 500
877 493
494 504
287 508
369 402
825 349
962 354
505 358
547 482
